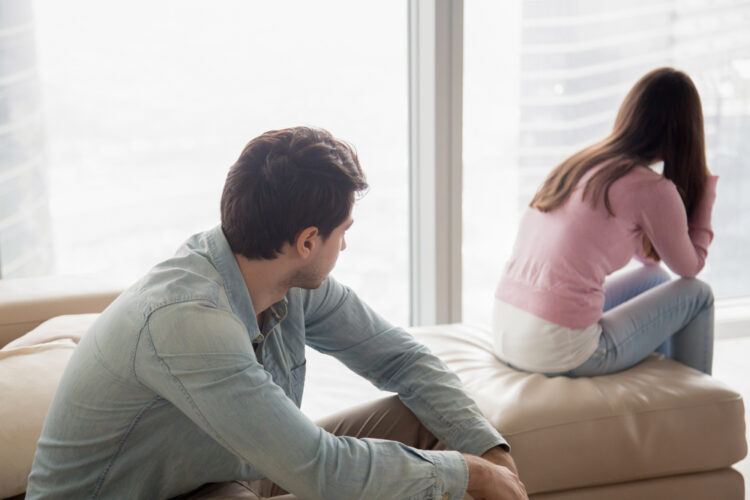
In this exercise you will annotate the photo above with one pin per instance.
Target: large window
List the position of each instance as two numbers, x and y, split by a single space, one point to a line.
147 104
544 78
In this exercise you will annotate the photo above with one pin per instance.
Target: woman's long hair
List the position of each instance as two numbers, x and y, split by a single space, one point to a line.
660 119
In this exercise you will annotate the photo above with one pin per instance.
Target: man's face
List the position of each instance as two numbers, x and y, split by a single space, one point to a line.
324 257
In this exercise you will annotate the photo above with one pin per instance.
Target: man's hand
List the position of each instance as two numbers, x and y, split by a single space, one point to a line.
499 456
488 481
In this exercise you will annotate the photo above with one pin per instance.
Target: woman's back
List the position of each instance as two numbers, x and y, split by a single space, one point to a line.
562 257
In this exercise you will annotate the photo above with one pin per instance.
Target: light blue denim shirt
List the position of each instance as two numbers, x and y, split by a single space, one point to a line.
167 392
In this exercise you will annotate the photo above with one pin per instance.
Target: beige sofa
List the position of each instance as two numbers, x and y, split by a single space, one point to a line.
659 430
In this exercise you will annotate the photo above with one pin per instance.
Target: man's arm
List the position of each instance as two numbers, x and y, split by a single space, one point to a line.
338 323
200 359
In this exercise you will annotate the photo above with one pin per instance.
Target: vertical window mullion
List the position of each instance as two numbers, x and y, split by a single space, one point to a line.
435 131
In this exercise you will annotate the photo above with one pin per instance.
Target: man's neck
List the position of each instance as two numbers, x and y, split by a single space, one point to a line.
263 279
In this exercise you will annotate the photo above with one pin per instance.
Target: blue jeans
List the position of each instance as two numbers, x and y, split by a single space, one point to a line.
645 312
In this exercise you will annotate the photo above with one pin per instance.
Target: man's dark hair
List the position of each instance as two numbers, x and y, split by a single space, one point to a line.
283 182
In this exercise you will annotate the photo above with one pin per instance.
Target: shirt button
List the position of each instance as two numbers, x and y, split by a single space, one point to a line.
259 338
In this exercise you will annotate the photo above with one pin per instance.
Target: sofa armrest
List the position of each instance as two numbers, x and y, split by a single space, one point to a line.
27 302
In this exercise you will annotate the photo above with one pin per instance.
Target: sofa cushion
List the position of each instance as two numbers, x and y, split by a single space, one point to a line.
28 379
656 419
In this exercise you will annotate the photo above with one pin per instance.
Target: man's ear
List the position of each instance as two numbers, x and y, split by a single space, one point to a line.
306 241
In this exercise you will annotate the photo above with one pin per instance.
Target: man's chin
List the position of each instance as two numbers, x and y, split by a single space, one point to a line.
306 280
310 284
313 286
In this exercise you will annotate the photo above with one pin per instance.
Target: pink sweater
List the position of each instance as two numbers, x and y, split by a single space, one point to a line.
561 258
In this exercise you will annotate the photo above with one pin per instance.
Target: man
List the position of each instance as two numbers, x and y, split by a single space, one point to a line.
194 374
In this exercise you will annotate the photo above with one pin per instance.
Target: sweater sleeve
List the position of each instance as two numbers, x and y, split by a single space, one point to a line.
682 244
699 225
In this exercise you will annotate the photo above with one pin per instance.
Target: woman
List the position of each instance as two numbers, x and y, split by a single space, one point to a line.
554 313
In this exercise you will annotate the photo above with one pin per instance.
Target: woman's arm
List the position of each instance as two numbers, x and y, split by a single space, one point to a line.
682 244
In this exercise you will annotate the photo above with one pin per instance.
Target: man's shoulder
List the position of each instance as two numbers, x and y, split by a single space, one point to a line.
182 282
177 304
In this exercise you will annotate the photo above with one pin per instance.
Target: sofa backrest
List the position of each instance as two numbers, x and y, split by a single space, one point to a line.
27 302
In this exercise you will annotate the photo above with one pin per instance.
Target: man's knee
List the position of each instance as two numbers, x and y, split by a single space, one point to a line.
386 418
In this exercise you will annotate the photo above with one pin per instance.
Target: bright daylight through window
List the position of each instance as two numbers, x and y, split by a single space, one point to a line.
145 105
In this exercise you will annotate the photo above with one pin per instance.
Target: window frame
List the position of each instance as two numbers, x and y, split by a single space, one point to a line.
435 154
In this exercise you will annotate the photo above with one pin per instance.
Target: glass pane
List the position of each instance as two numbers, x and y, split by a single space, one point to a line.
25 241
544 78
148 103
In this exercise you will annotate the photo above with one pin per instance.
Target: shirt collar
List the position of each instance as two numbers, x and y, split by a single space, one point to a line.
239 298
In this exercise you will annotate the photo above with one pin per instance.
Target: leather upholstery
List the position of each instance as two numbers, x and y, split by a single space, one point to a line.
658 418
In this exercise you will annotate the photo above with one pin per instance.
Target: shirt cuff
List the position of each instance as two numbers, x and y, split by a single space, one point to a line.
452 474
478 436
482 448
